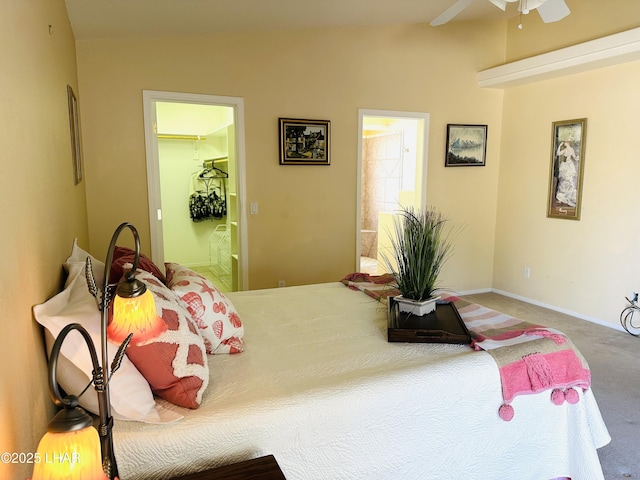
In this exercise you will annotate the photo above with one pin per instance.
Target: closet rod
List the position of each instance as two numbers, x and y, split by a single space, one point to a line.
176 136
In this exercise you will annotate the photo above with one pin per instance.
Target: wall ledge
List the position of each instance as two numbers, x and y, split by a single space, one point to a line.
606 51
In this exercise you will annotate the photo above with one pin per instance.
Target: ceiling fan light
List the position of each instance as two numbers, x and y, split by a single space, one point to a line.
526 6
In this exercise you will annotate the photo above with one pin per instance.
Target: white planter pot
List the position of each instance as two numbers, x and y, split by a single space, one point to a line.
416 307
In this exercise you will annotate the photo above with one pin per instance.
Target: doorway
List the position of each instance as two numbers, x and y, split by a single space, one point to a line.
392 173
195 176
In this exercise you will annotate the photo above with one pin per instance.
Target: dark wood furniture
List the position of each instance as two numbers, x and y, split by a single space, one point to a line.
263 468
444 325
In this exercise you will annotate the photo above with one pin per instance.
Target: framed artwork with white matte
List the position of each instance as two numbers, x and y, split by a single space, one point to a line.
466 145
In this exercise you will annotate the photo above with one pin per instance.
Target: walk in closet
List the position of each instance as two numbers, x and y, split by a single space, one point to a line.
198 184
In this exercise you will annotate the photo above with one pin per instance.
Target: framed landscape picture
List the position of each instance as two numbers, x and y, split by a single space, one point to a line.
466 145
304 142
568 139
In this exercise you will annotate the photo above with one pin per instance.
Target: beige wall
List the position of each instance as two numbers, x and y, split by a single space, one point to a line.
305 229
585 266
40 208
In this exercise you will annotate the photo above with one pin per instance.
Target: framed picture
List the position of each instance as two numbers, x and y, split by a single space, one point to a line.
304 142
74 131
567 167
466 145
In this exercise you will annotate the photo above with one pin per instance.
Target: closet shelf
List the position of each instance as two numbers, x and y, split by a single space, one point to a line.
221 160
178 136
606 51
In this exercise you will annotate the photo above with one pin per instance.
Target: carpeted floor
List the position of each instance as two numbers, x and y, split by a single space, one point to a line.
614 360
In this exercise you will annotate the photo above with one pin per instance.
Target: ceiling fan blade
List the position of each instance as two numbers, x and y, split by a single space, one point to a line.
501 4
553 10
450 12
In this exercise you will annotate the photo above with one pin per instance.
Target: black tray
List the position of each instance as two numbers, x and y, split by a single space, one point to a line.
442 326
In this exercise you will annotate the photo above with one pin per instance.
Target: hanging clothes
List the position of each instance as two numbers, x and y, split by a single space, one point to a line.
204 201
198 207
218 205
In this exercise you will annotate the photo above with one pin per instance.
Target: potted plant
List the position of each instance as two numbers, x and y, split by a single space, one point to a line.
420 246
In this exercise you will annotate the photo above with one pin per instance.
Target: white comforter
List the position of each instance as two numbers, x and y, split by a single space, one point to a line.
319 387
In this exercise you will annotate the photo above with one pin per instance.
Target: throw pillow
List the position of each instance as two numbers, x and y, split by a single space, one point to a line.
175 363
123 256
217 319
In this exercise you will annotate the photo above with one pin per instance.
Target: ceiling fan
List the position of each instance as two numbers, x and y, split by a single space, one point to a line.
549 10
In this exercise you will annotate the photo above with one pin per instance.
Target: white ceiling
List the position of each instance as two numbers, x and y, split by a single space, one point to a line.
118 18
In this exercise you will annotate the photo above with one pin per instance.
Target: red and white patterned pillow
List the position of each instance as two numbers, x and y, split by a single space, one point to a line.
217 319
175 363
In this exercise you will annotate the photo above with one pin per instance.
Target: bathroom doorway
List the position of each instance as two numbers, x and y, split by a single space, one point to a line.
392 173
195 172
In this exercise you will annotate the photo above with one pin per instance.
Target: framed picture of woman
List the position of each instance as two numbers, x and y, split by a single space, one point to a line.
567 168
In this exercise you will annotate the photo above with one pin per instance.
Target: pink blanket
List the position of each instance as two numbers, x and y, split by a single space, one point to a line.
531 358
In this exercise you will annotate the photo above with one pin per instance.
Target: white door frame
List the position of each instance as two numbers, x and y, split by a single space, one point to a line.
422 171
150 97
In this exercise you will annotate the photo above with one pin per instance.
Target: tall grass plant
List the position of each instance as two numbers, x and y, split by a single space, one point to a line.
421 244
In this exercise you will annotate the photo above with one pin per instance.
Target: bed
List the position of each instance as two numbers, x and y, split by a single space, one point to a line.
319 386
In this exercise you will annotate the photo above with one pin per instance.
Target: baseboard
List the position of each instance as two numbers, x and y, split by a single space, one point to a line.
471 292
560 310
541 304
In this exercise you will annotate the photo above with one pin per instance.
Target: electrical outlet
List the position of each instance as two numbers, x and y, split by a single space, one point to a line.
527 272
281 283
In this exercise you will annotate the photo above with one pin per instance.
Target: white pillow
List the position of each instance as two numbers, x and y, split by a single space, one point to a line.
75 265
130 394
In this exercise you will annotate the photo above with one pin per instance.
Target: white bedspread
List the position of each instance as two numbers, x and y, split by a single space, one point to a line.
319 387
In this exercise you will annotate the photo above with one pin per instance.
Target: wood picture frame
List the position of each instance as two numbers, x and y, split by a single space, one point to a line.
74 132
568 139
466 145
305 142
